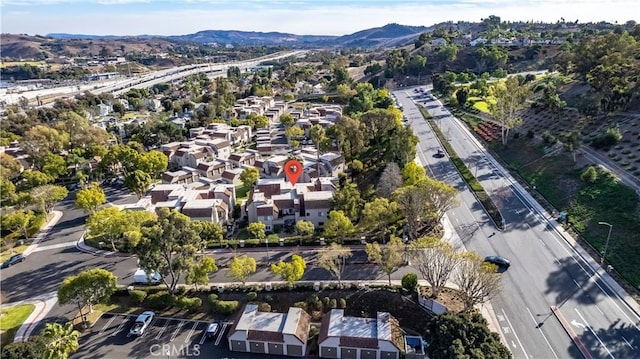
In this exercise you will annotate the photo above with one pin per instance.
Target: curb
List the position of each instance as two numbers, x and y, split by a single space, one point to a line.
42 234
43 306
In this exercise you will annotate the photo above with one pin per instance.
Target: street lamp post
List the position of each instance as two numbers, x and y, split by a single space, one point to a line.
606 245
268 257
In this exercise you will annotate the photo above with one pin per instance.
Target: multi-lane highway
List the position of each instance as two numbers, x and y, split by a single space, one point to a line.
120 85
546 269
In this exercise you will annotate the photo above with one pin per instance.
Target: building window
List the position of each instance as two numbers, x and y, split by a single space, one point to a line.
320 223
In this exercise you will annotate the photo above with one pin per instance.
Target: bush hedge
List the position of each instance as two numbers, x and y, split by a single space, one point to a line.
190 304
160 300
138 296
225 307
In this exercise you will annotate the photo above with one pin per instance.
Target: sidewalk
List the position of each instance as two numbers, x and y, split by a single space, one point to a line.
44 304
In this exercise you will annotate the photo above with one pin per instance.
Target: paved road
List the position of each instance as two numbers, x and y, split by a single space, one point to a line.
546 271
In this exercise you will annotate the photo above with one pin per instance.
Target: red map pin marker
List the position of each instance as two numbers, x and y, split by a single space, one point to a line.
293 170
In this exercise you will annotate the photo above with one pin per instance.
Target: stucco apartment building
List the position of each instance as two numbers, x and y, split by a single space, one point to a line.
275 202
199 201
270 333
343 337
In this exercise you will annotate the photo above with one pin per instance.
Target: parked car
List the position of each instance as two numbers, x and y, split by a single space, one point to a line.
141 277
501 262
142 322
212 330
16 258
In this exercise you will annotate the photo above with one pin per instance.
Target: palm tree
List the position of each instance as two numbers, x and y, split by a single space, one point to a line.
59 340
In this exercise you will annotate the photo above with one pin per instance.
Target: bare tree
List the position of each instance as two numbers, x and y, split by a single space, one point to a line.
476 280
435 259
390 180
388 257
334 260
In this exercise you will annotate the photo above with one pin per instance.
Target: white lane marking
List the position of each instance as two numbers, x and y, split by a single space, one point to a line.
191 332
594 333
164 327
106 325
175 332
204 337
540 330
626 341
221 334
598 308
577 284
120 327
514 333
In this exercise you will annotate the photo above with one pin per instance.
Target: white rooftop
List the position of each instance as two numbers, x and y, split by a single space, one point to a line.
252 319
201 203
339 325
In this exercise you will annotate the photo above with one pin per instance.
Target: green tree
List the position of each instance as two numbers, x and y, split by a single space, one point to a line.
293 133
290 271
198 273
477 281
87 288
40 141
462 95
35 178
413 173
435 260
91 198
510 99
54 165
168 246
29 349
10 167
257 230
334 260
241 268
388 257
20 221
337 224
410 282
59 340
249 177
209 231
305 228
287 120
7 193
138 182
153 163
379 214
47 195
464 335
348 200
589 175
120 228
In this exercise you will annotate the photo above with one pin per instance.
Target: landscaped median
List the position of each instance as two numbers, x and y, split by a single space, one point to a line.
473 182
11 318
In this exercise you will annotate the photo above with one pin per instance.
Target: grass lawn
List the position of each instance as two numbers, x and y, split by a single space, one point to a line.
11 320
20 63
18 249
481 106
558 179
242 192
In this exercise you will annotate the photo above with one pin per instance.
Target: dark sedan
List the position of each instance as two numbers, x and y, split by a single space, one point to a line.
499 261
16 258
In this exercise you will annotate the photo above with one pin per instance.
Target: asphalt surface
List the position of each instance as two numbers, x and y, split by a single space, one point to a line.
545 270
165 338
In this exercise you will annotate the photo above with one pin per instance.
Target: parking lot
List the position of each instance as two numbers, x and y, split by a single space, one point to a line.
164 338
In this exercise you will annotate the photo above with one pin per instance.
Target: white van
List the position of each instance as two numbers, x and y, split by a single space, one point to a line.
141 277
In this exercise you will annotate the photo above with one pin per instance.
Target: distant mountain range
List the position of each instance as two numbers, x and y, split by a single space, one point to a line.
385 36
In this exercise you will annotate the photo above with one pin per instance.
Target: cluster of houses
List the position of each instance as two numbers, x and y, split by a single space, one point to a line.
340 336
204 171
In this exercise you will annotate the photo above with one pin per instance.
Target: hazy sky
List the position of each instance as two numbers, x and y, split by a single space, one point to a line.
302 17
